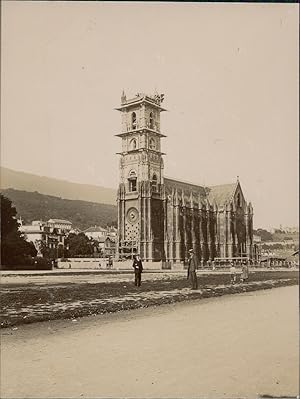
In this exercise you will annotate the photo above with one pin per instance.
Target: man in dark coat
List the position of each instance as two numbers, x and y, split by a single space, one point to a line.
138 269
193 266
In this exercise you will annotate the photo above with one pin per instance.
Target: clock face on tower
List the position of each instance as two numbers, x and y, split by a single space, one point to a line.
132 215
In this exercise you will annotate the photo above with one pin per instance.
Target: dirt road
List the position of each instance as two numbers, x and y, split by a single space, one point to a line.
232 346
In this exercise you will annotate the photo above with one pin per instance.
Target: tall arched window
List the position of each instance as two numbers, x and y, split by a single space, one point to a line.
133 120
151 120
132 181
154 182
132 145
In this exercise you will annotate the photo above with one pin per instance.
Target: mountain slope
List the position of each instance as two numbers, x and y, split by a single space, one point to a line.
59 188
35 206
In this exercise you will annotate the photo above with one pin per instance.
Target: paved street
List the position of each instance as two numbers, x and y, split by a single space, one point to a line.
62 276
232 346
83 277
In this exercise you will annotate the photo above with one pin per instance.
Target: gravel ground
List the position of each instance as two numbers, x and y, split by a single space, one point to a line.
40 301
235 346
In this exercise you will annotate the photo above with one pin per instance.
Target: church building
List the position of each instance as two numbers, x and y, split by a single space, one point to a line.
162 218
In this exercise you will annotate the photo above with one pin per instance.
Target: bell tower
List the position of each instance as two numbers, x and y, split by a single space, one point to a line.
141 186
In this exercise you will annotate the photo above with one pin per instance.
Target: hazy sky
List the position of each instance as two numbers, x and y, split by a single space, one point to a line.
229 73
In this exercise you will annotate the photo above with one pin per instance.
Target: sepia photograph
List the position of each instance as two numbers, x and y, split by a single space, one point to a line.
149 200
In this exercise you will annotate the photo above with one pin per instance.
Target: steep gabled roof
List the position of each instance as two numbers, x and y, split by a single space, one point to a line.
184 185
59 221
95 229
218 195
222 193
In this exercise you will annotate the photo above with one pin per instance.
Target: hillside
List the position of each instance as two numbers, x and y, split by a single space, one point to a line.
35 206
59 188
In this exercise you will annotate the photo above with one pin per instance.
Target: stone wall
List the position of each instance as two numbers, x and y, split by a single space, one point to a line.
127 265
83 263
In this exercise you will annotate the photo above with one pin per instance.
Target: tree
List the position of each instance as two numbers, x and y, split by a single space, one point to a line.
45 250
263 234
9 222
79 244
14 248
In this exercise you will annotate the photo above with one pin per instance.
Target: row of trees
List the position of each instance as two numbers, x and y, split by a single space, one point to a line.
280 246
265 235
278 235
75 245
80 244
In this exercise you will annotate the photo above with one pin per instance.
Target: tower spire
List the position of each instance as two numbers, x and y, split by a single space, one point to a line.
123 97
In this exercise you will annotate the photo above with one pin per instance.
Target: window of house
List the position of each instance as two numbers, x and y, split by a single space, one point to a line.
133 120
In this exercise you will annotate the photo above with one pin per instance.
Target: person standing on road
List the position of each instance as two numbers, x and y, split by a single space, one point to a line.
138 269
193 264
232 273
245 272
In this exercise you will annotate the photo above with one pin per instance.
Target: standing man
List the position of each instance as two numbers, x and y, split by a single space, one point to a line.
232 273
138 269
245 272
193 266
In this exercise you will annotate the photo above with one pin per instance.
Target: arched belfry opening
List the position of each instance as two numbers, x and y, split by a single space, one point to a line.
132 181
133 145
151 121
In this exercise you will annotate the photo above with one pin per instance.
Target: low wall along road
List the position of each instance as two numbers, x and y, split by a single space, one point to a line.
102 263
83 263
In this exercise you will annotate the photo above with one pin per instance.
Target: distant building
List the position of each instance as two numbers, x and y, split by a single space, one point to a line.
75 230
51 233
96 232
106 238
112 231
34 232
107 245
62 225
281 229
292 230
256 238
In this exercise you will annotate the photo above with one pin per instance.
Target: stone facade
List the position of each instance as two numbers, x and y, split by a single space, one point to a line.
162 218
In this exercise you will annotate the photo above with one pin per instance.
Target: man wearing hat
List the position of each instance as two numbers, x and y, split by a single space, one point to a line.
193 266
138 268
